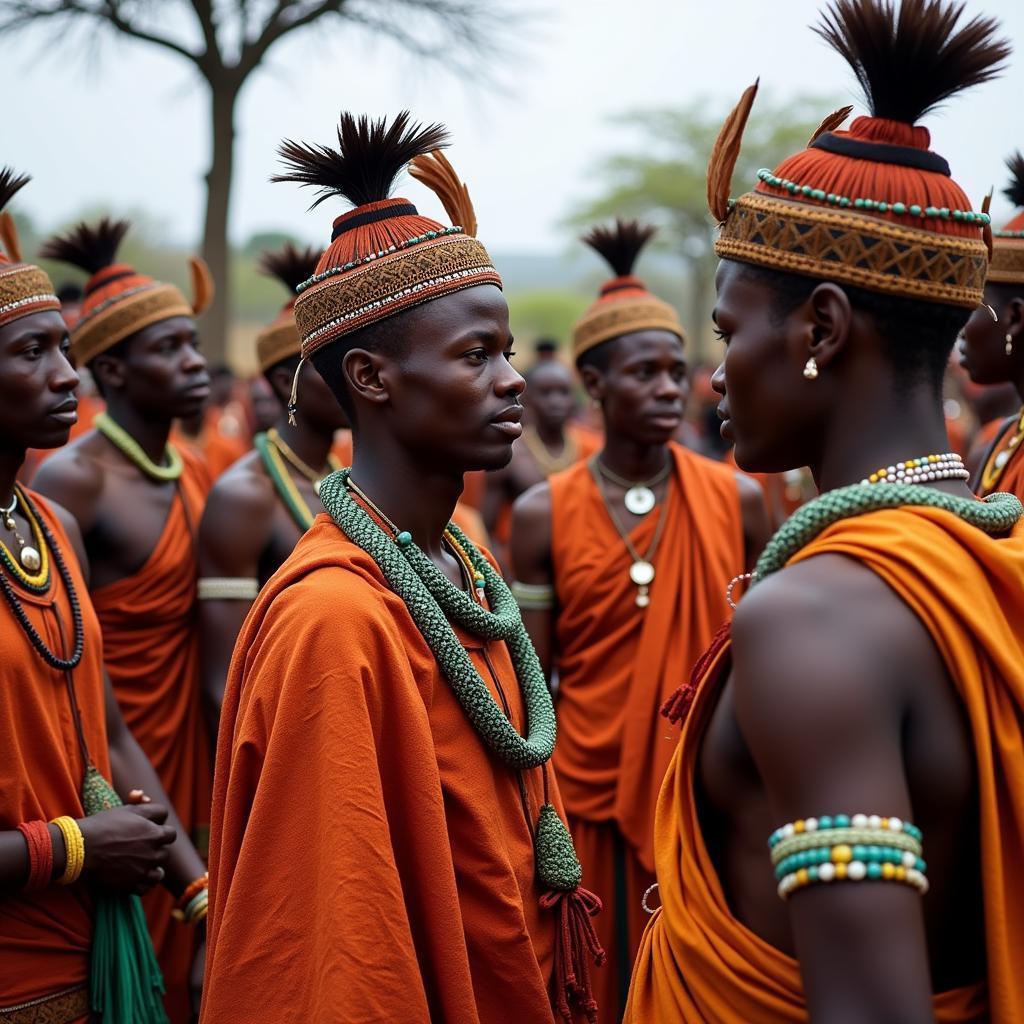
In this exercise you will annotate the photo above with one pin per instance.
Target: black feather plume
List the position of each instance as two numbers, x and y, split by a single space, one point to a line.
90 247
1015 190
10 183
290 265
620 245
368 159
909 62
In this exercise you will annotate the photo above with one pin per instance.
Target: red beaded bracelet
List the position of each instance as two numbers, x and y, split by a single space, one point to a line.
192 890
40 854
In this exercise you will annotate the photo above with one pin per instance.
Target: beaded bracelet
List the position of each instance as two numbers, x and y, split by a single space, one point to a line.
195 910
855 871
193 889
845 854
74 845
40 854
848 836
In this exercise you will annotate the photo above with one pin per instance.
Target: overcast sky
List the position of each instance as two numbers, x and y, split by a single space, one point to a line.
128 130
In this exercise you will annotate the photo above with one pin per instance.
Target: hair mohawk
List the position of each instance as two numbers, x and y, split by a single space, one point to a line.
90 247
908 63
1015 190
369 157
620 245
290 265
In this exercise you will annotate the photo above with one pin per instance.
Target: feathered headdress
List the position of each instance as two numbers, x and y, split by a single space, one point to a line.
872 206
1007 266
119 301
291 266
624 305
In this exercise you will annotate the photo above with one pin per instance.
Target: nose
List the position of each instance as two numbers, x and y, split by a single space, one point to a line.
192 360
668 386
64 377
509 381
718 380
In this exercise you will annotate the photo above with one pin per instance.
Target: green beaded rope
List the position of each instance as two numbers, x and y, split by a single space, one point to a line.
996 514
433 600
844 836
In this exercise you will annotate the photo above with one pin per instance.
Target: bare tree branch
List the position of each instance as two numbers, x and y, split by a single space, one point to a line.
279 25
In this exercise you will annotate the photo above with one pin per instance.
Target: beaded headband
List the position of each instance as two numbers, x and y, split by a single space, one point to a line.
24 289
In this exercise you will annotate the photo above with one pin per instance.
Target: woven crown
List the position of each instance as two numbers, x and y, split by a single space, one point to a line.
872 206
280 339
24 288
1007 266
623 305
119 301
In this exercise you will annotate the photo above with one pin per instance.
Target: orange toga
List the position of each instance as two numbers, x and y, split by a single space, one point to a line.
1003 469
371 859
45 936
697 962
617 663
151 649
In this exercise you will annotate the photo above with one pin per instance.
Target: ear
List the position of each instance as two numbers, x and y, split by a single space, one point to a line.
827 322
1013 315
593 382
281 383
109 371
365 375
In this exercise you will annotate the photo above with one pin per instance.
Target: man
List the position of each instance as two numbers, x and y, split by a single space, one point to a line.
550 443
137 501
257 511
386 841
859 738
993 345
621 566
67 868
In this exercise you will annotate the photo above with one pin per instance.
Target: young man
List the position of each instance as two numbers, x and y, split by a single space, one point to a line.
64 863
137 501
257 511
550 443
993 345
860 737
621 565
385 826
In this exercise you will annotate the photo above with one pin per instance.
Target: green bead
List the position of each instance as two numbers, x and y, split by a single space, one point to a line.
806 190
883 207
404 539
860 853
899 208
931 211
843 201
812 874
858 204
842 821
874 871
817 193
957 215
920 865
915 210
825 822
792 186
944 212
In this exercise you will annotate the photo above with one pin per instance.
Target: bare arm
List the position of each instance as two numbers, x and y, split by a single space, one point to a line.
820 659
73 485
756 527
530 550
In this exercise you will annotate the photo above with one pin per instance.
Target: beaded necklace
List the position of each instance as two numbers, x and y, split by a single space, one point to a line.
547 463
300 465
131 449
37 582
273 462
999 457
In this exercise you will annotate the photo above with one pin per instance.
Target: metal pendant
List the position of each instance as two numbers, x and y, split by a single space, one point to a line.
642 598
29 558
641 573
640 500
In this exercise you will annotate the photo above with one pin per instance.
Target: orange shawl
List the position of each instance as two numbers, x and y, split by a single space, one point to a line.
151 649
371 860
617 663
45 936
697 962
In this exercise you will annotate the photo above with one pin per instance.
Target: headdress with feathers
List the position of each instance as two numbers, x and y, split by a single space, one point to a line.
291 266
1007 266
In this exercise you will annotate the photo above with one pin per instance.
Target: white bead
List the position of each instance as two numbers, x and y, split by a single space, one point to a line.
909 860
826 872
892 469
788 830
859 821
874 821
895 825
810 824
856 870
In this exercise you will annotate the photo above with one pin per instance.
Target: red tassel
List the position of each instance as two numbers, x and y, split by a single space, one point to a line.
677 707
575 943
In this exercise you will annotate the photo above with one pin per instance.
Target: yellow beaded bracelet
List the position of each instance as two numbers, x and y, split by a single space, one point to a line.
74 846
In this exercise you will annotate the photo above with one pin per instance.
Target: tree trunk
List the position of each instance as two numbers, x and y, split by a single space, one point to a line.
216 252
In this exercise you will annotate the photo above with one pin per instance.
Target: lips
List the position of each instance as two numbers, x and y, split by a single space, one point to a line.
197 391
65 412
509 421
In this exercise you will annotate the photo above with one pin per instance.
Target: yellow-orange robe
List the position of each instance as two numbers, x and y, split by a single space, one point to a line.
151 649
697 962
45 936
371 859
617 663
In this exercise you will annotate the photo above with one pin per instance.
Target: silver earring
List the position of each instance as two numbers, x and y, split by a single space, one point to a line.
1009 344
811 369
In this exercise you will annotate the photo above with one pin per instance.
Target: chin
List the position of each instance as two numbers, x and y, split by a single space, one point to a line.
492 460
756 458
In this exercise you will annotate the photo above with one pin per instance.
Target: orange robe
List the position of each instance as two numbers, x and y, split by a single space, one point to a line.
1012 477
151 649
371 860
697 962
617 663
45 937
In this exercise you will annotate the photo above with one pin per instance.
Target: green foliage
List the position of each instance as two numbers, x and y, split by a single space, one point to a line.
543 314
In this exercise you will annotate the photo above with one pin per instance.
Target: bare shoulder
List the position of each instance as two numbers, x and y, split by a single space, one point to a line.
73 477
244 489
532 508
749 489
73 532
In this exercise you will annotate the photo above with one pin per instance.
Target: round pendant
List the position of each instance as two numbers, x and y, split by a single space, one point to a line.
1001 459
641 573
642 599
30 559
640 500
316 486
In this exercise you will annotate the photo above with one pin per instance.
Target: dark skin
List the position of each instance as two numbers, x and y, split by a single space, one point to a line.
642 393
142 844
446 403
836 697
247 531
157 378
549 403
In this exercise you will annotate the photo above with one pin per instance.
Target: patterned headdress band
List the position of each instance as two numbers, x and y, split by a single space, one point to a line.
280 340
1007 266
24 288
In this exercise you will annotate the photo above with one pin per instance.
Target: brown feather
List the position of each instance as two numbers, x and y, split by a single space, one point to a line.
9 237
832 122
10 184
1015 190
620 245
436 172
725 153
90 247
289 264
202 284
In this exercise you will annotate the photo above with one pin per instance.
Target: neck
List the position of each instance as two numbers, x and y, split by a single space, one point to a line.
632 459
869 435
418 499
1018 377
311 445
10 465
552 435
150 435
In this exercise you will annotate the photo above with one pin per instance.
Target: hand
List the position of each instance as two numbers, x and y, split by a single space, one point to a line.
126 847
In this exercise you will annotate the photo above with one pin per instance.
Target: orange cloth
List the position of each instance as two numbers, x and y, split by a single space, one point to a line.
697 962
342 447
1012 477
371 860
471 523
618 663
151 649
474 488
45 936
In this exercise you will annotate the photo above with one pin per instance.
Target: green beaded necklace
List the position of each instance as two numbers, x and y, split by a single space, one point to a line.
129 447
996 514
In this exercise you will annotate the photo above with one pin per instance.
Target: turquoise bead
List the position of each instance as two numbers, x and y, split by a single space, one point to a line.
404 539
899 208
858 204
792 186
812 873
883 207
931 211
915 210
843 201
860 853
825 821
817 193
842 821
874 871
806 190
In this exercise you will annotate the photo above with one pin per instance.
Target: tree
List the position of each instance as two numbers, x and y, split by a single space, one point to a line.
663 180
236 36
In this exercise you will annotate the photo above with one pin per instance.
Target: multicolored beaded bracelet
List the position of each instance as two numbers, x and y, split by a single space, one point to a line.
844 837
825 821
855 871
843 853
875 205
